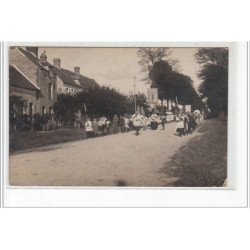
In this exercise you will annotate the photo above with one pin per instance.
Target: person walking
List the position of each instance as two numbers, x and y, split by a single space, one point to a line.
137 122
186 121
180 127
89 128
153 121
115 124
95 128
121 124
126 123
163 121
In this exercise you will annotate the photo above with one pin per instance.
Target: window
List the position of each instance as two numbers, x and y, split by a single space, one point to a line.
66 90
77 82
51 110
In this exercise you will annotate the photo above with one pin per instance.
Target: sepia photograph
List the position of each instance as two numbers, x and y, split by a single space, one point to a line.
118 116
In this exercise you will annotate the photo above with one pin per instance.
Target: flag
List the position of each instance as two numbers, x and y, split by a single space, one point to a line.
153 95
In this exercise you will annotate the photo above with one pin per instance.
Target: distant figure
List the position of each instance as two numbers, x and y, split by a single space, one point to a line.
145 122
108 126
131 126
180 127
186 121
88 128
192 123
153 121
137 122
101 125
115 123
122 124
95 127
163 121
126 123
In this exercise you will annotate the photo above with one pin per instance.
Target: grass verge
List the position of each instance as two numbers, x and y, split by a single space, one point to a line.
27 140
202 162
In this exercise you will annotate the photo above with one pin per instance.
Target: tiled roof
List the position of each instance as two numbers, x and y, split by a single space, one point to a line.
18 79
65 77
31 57
68 77
84 81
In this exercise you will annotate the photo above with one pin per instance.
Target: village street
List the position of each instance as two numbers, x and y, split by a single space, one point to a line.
115 160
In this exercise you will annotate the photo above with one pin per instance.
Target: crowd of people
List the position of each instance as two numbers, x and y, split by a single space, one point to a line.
187 123
103 126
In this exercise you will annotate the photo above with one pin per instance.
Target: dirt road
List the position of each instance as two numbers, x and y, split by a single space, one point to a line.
115 160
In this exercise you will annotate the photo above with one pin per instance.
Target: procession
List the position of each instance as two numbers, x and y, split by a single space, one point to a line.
131 117
185 123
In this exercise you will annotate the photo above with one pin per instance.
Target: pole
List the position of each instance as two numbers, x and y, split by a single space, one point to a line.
135 94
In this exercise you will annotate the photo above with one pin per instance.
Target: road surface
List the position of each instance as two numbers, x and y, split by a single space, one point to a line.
115 160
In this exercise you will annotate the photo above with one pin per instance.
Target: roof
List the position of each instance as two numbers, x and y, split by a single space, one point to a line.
18 79
65 77
68 77
31 57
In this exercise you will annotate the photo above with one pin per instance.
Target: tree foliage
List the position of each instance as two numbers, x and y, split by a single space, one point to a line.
96 102
16 107
149 56
172 84
214 76
102 100
65 108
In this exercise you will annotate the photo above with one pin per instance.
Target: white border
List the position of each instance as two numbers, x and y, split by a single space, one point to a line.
236 196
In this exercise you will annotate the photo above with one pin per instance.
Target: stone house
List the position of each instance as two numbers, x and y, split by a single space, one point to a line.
32 80
39 82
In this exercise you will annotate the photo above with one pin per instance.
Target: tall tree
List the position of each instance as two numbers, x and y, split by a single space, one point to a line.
161 76
214 76
172 85
149 56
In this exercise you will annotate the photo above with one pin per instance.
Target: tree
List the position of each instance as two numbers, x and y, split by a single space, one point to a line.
141 101
162 76
214 76
17 105
102 101
149 56
172 85
65 108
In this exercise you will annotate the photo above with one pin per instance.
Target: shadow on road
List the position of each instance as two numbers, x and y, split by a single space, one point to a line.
121 183
202 162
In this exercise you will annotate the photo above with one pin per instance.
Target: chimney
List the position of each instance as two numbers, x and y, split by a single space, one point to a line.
57 62
43 56
33 50
77 70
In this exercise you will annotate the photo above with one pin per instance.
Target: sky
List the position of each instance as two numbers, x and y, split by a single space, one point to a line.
117 67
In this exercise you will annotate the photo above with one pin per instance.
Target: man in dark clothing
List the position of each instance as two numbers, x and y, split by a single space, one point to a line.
163 121
115 123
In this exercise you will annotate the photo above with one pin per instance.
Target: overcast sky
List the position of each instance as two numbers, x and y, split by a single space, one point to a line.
117 67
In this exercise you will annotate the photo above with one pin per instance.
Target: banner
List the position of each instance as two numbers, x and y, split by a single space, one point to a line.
188 108
153 95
